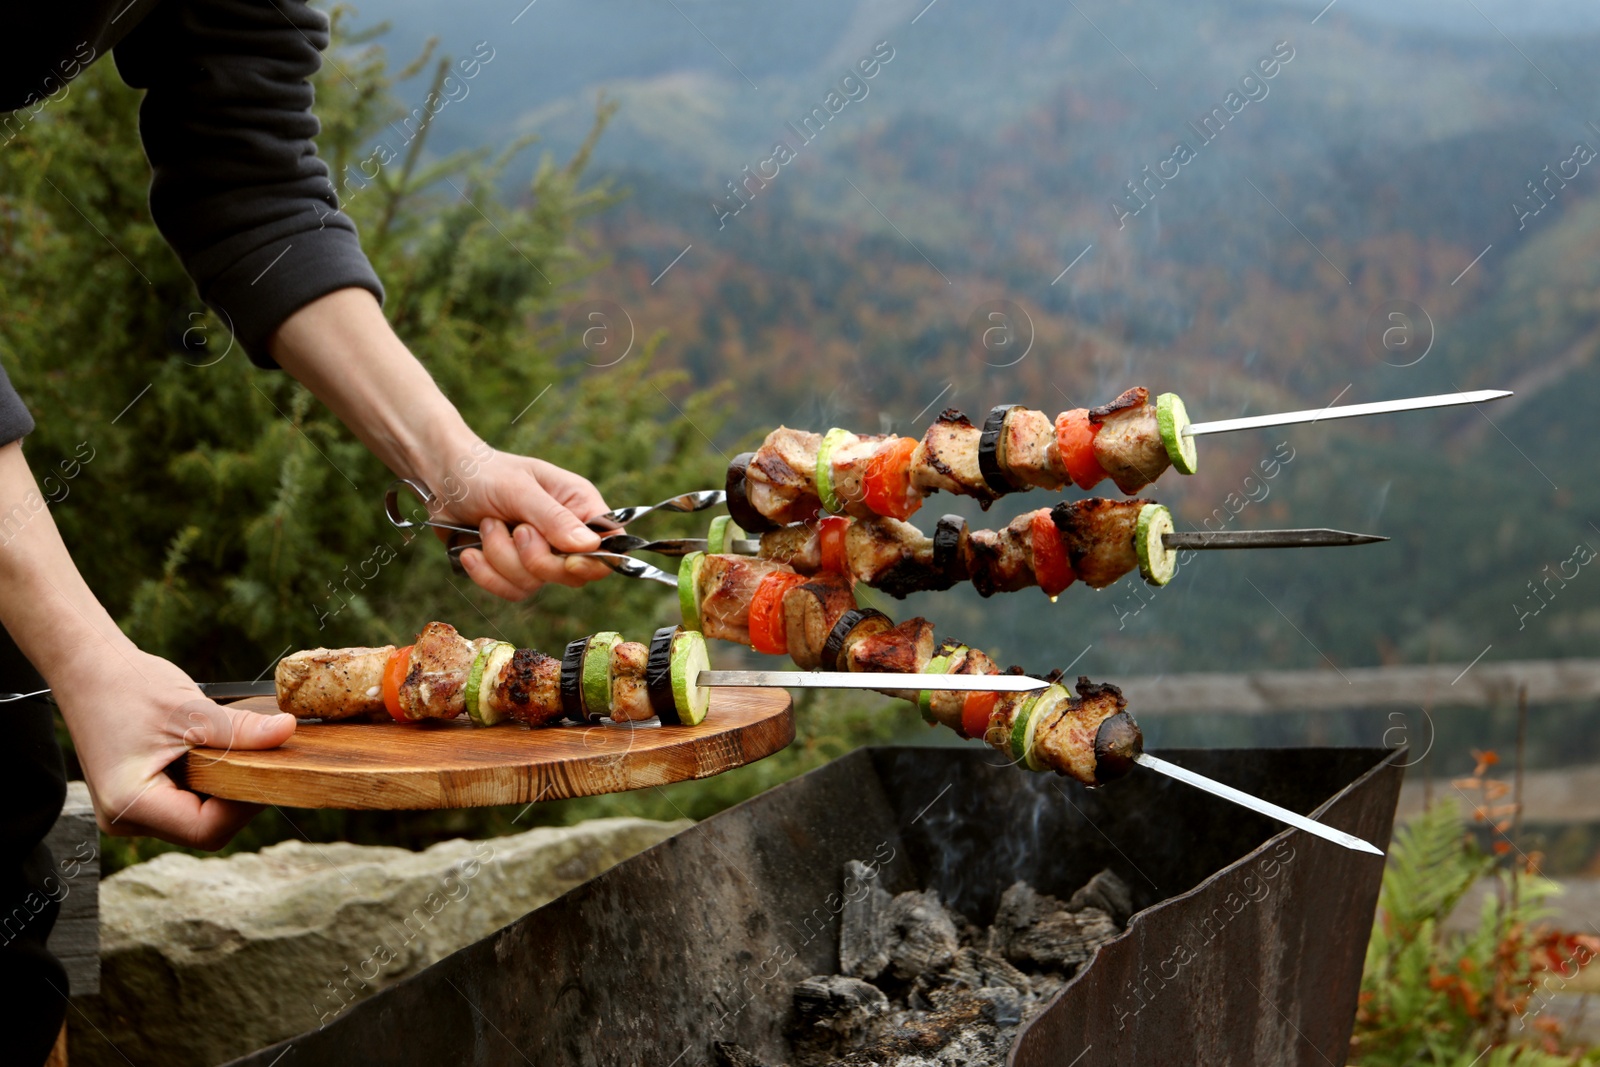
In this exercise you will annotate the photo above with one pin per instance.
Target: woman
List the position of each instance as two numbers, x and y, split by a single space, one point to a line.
239 193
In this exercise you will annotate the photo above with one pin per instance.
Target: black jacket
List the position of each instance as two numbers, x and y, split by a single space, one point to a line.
237 188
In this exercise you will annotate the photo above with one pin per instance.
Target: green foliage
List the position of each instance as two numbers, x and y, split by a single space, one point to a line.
1445 998
224 516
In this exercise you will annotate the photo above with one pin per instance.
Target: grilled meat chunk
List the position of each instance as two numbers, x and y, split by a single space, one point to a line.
810 611
1028 444
332 683
1001 561
781 479
947 459
630 702
797 545
436 685
527 688
1098 536
946 704
849 460
727 584
1064 739
904 649
1128 445
890 555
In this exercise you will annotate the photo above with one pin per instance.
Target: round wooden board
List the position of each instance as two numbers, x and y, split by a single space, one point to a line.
457 765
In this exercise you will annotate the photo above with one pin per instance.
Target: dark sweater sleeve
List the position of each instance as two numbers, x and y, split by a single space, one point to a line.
237 187
15 422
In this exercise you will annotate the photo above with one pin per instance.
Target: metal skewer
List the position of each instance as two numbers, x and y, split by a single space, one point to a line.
1199 540
1256 804
984 683
1347 411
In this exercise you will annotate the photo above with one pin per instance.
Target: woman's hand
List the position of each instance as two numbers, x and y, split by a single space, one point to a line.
131 715
526 511
342 349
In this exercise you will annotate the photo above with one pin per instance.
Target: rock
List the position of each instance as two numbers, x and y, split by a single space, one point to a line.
1034 929
203 960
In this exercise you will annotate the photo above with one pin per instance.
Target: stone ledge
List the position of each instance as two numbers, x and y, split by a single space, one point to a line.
203 960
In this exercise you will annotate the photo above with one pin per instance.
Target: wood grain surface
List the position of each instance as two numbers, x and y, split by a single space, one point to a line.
458 765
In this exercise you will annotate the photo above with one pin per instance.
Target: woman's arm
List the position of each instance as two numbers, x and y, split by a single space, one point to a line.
131 714
342 349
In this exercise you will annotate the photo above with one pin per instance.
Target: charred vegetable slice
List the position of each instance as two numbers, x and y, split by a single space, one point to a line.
739 507
947 549
572 679
689 658
1172 417
1022 727
939 664
830 440
723 532
496 652
1157 562
1045 703
597 674
658 675
689 589
991 451
833 647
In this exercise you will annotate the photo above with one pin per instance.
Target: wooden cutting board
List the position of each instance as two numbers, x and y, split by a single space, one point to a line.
457 765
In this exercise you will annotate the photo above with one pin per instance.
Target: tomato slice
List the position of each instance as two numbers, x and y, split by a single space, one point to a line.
767 631
831 531
1075 438
975 712
394 672
1050 563
887 488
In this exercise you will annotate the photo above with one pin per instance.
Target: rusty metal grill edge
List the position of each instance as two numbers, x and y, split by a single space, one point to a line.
1248 947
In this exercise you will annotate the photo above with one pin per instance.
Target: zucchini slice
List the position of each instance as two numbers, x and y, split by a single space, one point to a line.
723 532
1022 727
689 658
1157 562
658 676
572 679
939 664
1172 417
689 589
1046 703
489 661
596 675
830 440
991 451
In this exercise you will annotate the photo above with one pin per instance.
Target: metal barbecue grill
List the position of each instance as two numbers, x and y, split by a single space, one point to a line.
1246 945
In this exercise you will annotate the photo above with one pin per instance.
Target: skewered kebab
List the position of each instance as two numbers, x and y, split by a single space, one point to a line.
814 620
1097 540
796 474
443 675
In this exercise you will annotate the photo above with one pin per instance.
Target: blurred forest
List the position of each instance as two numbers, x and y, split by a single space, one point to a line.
225 517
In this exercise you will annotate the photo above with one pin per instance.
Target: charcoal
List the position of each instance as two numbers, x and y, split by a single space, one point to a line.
1108 893
730 1055
837 1003
1034 929
923 935
865 926
944 992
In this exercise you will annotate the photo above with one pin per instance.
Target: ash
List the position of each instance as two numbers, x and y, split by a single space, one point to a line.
921 986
